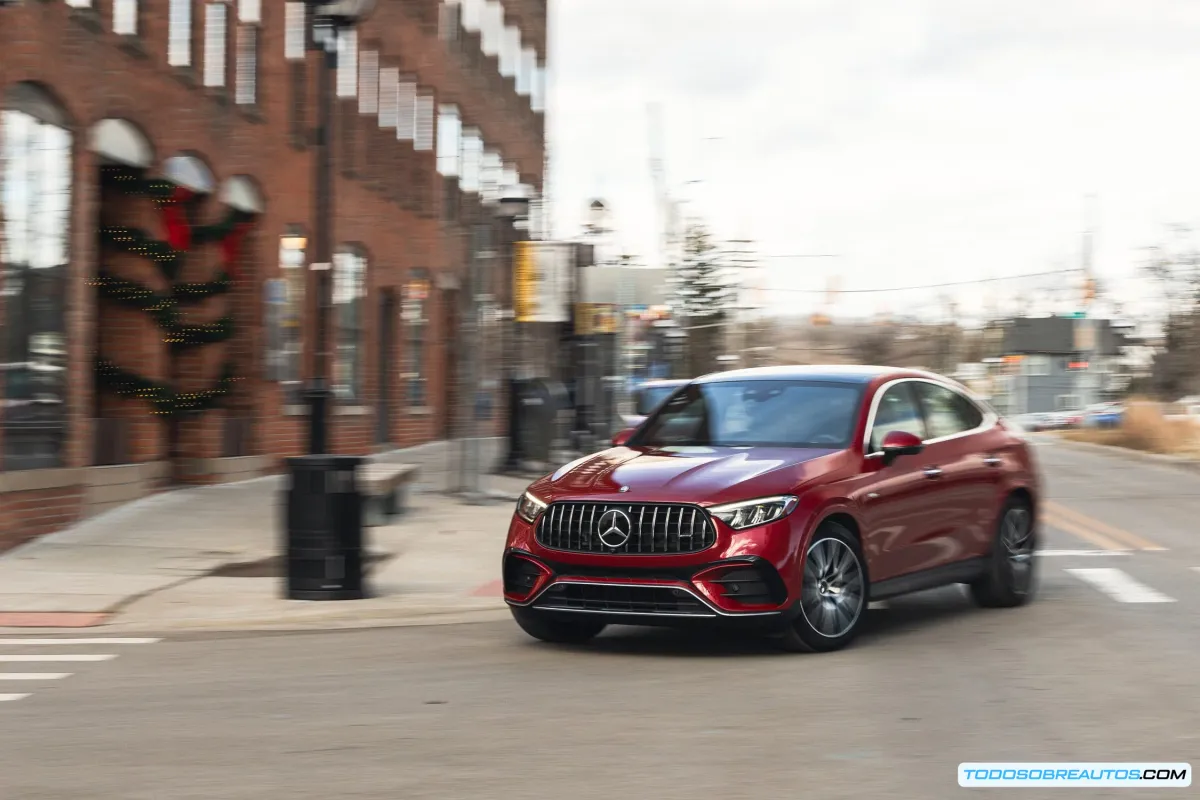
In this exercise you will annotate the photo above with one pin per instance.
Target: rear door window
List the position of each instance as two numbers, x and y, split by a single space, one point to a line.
897 411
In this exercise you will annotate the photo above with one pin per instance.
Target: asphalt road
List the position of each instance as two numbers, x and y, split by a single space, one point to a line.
1089 672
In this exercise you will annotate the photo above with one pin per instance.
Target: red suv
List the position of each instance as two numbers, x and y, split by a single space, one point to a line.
783 500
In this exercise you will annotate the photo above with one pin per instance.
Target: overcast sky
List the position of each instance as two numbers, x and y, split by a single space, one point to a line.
921 141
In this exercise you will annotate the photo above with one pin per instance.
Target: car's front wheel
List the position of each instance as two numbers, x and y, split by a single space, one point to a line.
833 593
1009 580
557 631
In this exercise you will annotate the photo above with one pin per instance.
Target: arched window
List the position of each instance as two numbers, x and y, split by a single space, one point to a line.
35 198
349 300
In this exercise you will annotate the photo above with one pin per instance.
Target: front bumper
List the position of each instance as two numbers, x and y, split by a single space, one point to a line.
738 582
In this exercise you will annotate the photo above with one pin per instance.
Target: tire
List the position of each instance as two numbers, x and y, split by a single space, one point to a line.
1010 578
556 631
830 612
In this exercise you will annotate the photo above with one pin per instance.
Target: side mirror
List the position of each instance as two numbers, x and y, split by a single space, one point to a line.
900 443
621 438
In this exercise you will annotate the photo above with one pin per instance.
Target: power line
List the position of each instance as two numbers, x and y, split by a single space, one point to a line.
974 282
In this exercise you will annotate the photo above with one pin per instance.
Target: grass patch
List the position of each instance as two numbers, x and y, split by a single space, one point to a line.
1143 427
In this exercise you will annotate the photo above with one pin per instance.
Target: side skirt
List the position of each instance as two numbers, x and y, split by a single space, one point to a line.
958 572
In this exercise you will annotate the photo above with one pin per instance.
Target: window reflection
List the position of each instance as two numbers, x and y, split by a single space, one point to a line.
36 193
349 294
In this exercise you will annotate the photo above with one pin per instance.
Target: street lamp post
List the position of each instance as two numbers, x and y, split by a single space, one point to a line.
510 210
323 548
329 19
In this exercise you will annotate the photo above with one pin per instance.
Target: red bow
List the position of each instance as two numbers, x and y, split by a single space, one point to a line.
179 232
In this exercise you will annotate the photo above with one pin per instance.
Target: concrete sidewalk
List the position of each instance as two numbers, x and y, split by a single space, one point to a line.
207 558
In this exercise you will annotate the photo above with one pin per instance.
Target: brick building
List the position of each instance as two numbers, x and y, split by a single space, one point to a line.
157 189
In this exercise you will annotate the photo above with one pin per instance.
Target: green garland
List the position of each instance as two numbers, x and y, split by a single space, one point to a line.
131 182
132 240
164 401
164 307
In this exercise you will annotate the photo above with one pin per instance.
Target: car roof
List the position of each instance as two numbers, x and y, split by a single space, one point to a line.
663 382
837 373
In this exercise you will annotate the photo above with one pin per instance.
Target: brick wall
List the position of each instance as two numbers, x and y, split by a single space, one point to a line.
387 198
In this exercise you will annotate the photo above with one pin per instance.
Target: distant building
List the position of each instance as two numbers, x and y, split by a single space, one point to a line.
1047 365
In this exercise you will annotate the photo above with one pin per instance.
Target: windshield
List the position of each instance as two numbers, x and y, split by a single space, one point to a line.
763 413
650 397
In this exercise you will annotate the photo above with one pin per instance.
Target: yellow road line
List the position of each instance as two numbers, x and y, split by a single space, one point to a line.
1131 539
1103 542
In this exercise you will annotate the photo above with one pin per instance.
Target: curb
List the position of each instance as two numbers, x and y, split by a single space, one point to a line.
334 619
1161 459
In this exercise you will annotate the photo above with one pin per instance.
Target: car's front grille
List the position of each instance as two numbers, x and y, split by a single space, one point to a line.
623 599
626 528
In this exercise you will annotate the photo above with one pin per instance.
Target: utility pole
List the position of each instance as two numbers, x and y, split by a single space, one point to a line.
1087 325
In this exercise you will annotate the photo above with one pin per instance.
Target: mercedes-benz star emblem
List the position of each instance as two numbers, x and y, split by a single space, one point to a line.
623 489
615 528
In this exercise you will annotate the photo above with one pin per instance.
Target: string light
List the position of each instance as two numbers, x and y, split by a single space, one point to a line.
164 306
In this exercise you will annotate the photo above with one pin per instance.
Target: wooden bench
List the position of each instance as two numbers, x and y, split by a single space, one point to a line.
385 490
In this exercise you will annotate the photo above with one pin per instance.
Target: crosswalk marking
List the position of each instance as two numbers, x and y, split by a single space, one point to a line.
61 642
36 656
48 657
1055 553
1120 587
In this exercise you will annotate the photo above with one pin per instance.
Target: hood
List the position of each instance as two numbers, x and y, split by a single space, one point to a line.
706 475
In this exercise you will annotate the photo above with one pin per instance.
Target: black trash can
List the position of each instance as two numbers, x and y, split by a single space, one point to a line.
323 529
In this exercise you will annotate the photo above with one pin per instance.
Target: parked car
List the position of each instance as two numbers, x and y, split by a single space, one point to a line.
1036 422
781 500
647 397
1104 415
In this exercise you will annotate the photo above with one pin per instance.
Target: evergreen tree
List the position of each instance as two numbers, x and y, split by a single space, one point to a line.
704 295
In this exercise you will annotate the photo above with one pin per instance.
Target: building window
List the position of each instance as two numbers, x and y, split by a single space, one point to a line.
472 15
249 19
35 201
179 34
125 17
368 79
449 144
423 140
406 111
289 351
247 65
215 36
492 29
510 51
349 296
389 94
1066 402
472 156
295 33
537 99
525 71
414 313
347 64
1037 365
449 20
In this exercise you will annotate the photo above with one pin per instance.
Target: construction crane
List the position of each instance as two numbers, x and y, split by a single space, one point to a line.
668 209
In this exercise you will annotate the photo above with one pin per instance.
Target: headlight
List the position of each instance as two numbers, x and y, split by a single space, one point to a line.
749 513
528 507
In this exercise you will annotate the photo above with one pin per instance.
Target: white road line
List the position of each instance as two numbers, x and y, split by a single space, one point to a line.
56 642
4 698
33 676
1120 587
1055 553
74 657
